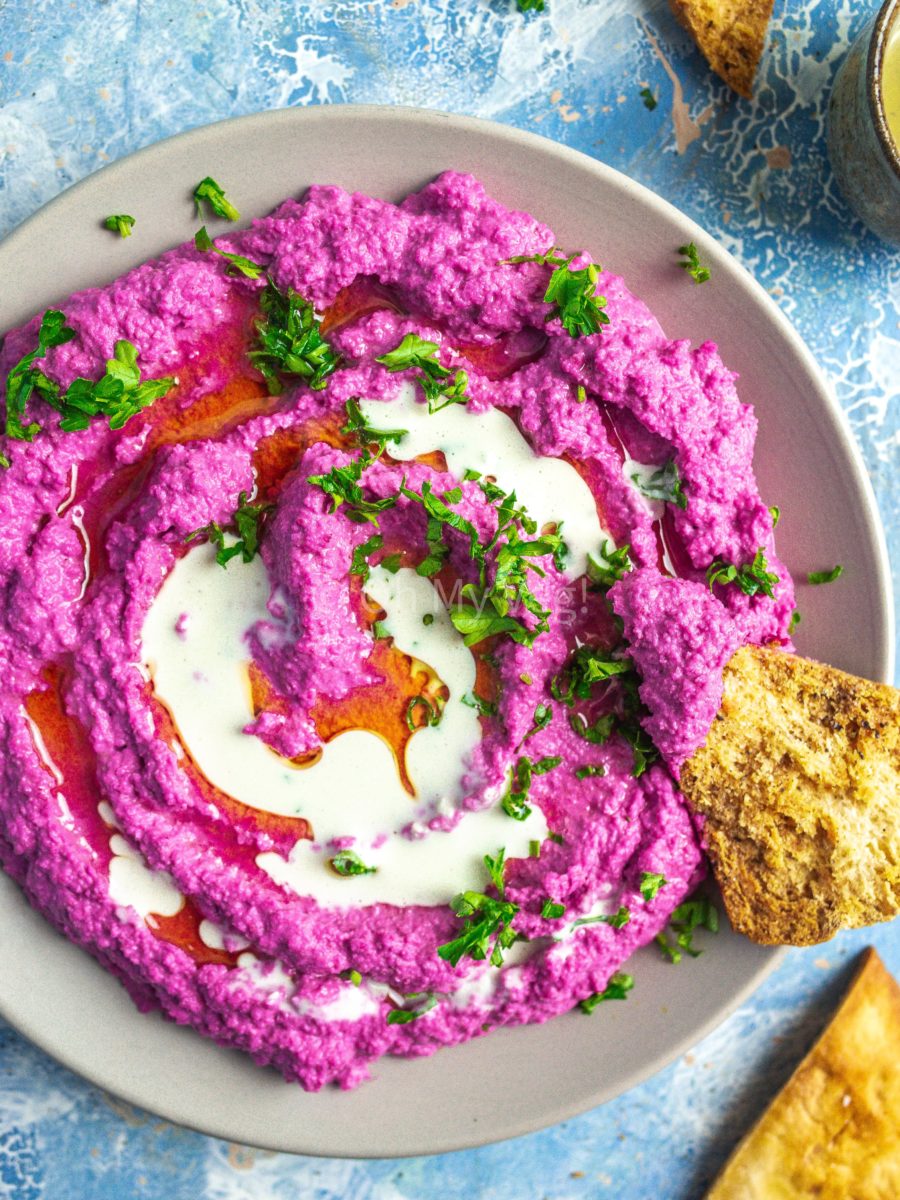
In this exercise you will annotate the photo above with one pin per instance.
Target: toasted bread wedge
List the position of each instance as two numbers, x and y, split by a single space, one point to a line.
731 35
833 1131
799 785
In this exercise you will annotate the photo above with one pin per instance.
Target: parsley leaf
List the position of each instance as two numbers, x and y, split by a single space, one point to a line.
571 291
691 263
342 485
609 565
650 884
543 715
530 5
432 714
688 917
289 341
551 911
487 930
663 484
207 189
795 620
826 576
585 667
359 564
486 708
23 378
751 578
415 353
425 1002
348 862
588 771
246 519
617 919
365 433
618 988
237 264
775 514
119 223
649 99
513 802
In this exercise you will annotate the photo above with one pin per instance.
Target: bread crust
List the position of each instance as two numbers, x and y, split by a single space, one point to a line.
731 35
799 787
833 1131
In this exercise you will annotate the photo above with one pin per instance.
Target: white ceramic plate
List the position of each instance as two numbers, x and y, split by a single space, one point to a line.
519 1079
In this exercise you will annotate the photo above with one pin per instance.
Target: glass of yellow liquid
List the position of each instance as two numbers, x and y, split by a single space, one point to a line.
864 124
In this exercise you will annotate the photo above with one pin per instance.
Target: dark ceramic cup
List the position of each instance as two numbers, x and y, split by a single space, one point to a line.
863 153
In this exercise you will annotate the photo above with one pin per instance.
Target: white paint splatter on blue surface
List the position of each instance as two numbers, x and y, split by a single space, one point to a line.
86 83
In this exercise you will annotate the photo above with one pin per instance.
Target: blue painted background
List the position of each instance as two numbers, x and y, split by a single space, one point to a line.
85 82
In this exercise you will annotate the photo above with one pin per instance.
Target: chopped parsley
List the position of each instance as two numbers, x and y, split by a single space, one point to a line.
551 911
775 514
237 264
341 484
688 917
649 99
589 771
118 396
826 576
543 715
359 561
486 708
514 802
752 578
246 520
348 862
618 988
663 484
650 884
534 849
208 190
585 667
691 263
609 565
352 976
365 433
571 291
432 714
119 223
530 5
795 620
435 379
289 341
424 1002
487 931
617 920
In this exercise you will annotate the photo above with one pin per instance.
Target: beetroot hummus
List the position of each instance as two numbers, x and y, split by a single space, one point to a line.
364 588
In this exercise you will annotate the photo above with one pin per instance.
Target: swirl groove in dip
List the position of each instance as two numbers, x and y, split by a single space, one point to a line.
186 749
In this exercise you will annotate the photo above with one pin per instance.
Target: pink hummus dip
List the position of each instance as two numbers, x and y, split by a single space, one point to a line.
95 768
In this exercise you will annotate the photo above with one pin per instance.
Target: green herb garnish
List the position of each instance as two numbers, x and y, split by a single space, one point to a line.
359 564
246 520
650 884
663 484
530 5
572 292
432 714
589 771
514 800
365 433
752 578
649 99
425 1002
24 378
289 341
609 565
543 715
119 223
237 264
487 930
688 917
341 484
550 911
486 708
826 576
352 976
617 989
775 514
207 189
795 620
348 862
691 263
415 353
617 919
585 667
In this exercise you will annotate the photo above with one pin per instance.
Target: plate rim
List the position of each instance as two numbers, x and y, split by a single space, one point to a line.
512 136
